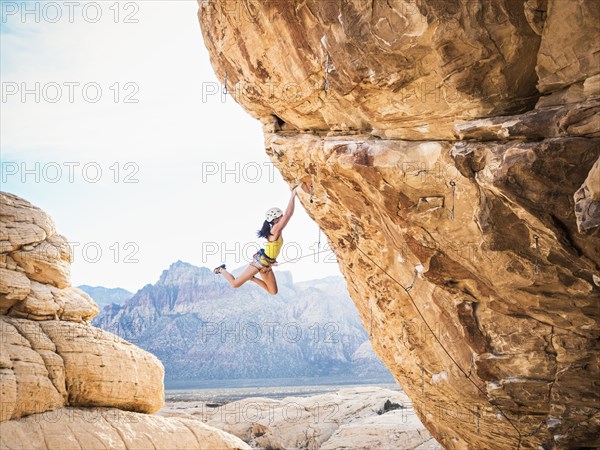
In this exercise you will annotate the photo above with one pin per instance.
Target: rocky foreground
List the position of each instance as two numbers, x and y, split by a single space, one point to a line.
353 418
65 384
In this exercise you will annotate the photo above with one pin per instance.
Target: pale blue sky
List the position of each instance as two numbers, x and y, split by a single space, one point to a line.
156 198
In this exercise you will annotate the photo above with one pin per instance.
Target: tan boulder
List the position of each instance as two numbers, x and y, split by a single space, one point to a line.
50 358
105 370
27 386
21 223
34 266
99 428
75 305
39 304
50 364
47 262
46 302
29 243
14 287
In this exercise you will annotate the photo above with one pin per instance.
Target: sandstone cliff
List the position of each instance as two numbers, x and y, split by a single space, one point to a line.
64 383
461 136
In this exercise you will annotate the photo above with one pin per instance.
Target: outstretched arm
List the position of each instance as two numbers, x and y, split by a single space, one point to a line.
287 215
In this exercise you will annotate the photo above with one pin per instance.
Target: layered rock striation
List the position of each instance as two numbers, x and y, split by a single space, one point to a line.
452 152
64 383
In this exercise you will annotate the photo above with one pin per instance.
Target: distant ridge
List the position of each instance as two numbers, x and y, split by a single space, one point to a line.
203 329
105 296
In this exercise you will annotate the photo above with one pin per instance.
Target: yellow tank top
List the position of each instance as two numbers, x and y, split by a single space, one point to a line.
272 249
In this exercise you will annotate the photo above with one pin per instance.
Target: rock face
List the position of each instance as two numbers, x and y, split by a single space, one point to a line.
398 69
452 149
308 329
52 360
352 418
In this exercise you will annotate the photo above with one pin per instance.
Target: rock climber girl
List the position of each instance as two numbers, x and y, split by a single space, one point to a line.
275 222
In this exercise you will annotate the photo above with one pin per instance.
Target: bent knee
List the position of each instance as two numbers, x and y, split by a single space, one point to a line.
273 291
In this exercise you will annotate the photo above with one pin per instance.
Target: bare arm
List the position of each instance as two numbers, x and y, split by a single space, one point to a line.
287 215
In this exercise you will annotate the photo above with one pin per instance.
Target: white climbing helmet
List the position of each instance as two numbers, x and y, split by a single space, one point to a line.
273 214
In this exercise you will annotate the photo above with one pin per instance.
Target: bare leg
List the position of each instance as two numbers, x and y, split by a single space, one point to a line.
260 282
246 275
269 279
